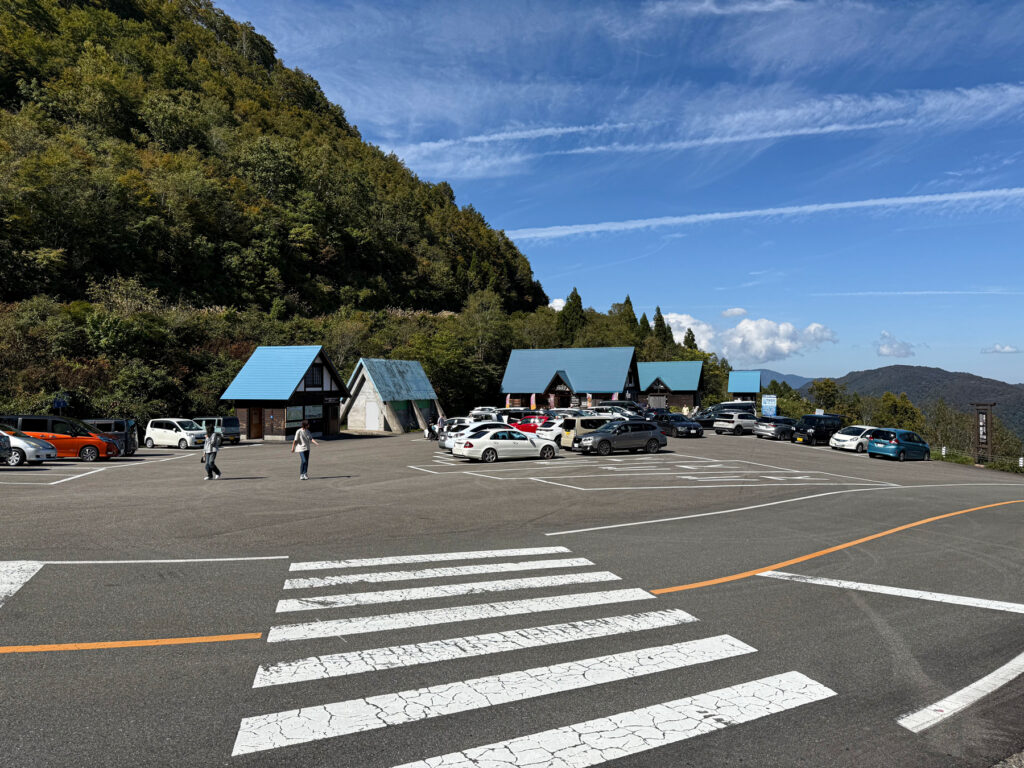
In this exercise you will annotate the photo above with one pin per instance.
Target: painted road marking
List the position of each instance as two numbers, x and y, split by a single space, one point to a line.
186 560
376 659
319 602
14 574
436 557
387 622
434 573
298 726
608 738
830 550
771 504
938 597
128 643
959 701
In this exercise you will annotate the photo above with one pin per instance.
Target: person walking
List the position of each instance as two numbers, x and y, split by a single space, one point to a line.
301 444
210 448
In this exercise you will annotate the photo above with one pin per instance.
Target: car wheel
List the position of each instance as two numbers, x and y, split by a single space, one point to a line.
183 444
872 455
738 431
604 448
675 432
547 452
927 455
489 456
901 456
718 431
859 448
149 442
652 446
17 458
89 453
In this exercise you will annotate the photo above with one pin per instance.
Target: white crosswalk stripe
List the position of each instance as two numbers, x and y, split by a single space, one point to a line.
320 602
14 574
297 726
393 621
433 558
582 744
433 573
393 657
629 733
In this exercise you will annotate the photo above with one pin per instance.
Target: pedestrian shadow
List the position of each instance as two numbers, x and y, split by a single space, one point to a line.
332 477
255 477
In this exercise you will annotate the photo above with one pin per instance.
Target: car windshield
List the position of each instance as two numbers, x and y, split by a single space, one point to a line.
852 431
87 427
12 431
189 425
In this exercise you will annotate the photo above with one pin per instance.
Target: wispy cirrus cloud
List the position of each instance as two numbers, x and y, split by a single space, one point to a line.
669 8
991 197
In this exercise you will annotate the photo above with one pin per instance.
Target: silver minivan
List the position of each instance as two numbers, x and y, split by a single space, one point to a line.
227 427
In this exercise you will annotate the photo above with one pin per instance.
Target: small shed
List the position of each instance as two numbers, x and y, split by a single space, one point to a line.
559 378
671 383
390 395
744 385
279 387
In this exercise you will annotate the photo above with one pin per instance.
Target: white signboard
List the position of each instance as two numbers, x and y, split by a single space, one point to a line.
769 405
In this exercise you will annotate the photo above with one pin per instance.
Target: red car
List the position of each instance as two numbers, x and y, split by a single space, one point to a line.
530 423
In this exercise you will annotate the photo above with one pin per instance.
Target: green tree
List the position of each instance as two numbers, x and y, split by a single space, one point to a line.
827 394
662 332
898 412
689 340
572 318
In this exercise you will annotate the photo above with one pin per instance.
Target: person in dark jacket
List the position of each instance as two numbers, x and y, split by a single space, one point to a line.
210 448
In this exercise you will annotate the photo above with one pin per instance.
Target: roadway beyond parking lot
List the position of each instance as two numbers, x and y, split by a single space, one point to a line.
726 601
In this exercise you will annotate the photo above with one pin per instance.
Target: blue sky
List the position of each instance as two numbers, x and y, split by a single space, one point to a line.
814 187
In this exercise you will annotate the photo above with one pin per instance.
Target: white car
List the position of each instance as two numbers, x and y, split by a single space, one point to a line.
26 449
551 430
183 433
853 438
503 444
483 412
736 423
447 441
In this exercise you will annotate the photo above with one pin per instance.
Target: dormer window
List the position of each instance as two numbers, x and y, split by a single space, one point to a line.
315 376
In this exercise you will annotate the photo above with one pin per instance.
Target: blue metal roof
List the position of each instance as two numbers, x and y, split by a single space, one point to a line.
745 381
592 369
677 375
271 373
396 379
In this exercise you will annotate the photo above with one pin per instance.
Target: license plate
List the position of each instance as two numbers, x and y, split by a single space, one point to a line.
799 439
693 431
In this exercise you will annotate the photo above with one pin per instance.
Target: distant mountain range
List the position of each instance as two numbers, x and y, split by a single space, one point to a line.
789 378
925 385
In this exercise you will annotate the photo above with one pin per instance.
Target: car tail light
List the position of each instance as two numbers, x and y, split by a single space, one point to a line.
894 441
467 444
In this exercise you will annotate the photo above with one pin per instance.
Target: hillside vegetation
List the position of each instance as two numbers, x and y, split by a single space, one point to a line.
161 140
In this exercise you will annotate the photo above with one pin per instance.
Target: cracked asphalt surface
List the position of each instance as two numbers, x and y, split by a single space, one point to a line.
418 670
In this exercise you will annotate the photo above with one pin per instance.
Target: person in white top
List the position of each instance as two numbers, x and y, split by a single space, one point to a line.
210 448
301 444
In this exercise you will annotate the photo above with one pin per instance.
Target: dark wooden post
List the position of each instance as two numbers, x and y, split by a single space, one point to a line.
983 432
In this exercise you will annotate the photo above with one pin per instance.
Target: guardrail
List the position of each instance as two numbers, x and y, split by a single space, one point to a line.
1002 463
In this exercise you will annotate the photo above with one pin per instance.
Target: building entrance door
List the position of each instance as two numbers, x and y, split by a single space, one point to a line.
333 427
255 429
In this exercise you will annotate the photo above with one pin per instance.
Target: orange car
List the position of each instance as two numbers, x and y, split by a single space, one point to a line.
73 439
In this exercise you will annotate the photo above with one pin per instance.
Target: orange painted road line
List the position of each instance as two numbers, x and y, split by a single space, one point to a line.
128 643
820 553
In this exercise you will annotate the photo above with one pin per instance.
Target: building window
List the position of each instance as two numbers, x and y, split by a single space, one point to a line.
315 376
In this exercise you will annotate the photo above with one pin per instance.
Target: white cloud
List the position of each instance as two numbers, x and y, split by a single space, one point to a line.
712 8
973 198
751 341
1001 349
734 312
557 304
763 340
703 332
889 346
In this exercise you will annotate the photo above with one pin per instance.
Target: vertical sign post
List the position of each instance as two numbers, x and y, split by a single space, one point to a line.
983 432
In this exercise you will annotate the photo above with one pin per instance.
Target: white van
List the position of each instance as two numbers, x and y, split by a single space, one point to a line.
183 433
574 427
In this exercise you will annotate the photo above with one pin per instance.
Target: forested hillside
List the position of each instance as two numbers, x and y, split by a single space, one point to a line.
161 140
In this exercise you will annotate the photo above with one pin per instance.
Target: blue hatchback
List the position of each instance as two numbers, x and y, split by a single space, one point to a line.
899 444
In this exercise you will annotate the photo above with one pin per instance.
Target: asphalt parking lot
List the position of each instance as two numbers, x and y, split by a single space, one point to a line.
728 601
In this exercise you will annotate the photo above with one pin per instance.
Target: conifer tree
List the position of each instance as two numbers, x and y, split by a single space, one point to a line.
662 332
572 318
643 327
689 340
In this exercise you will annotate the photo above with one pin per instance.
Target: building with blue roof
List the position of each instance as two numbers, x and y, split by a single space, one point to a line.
279 387
390 396
559 378
744 385
671 383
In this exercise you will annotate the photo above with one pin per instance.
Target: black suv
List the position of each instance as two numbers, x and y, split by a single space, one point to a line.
678 425
816 428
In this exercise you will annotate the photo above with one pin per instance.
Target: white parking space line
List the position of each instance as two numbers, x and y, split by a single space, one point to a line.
435 557
773 503
937 597
349 600
394 657
14 574
630 733
179 560
394 621
298 726
434 573
73 473
965 697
